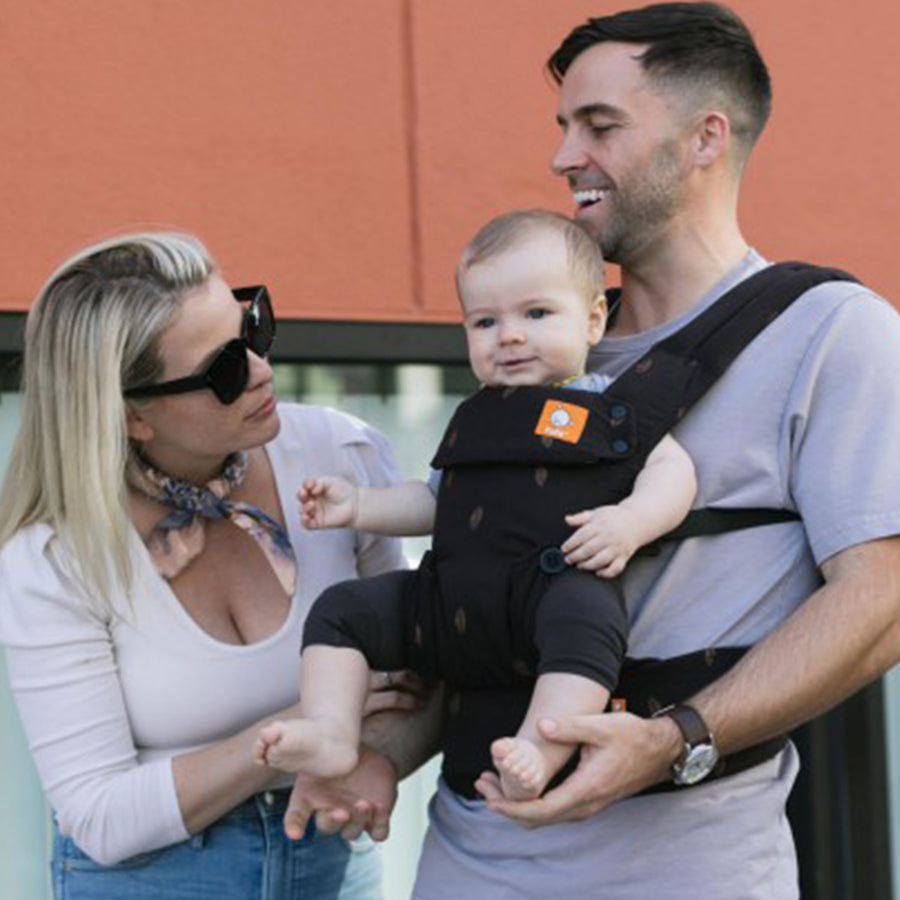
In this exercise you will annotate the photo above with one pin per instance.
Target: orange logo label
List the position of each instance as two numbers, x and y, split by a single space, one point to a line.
562 421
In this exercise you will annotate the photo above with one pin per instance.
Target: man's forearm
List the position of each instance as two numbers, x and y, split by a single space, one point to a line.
844 636
408 739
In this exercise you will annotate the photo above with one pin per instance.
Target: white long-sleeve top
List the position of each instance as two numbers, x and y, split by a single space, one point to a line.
107 700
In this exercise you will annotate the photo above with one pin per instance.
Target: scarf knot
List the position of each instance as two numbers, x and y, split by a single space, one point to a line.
179 537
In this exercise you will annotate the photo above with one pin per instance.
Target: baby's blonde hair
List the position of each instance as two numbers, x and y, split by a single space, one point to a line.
505 231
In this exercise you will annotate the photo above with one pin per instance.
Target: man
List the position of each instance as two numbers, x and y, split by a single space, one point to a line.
659 110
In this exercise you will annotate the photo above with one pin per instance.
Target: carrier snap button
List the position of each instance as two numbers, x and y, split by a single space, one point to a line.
552 561
620 445
618 411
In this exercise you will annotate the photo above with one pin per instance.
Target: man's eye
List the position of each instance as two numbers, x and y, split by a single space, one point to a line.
538 312
483 322
600 130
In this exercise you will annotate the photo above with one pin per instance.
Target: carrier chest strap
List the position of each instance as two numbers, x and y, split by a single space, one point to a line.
709 521
676 372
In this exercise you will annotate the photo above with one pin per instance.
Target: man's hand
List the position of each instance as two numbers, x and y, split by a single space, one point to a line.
605 539
358 802
399 690
328 502
621 754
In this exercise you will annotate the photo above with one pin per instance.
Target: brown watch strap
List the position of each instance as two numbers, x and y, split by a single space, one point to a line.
690 723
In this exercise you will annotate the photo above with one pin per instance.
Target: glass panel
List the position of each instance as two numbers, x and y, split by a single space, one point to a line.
411 405
892 737
24 831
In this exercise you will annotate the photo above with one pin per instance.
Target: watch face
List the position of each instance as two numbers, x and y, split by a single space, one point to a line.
700 761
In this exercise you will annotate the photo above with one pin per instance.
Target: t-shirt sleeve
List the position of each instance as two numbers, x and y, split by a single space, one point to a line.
63 676
843 429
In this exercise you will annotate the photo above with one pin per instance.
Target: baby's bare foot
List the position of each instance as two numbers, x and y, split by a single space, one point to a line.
302 745
522 768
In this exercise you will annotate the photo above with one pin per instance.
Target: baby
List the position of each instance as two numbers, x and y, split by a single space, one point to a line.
531 288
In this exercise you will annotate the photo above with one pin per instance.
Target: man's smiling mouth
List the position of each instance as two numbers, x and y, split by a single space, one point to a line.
590 195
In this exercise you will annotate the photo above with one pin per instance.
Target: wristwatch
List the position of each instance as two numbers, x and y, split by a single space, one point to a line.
699 755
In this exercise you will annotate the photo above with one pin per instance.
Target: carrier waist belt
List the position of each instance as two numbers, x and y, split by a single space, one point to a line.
645 686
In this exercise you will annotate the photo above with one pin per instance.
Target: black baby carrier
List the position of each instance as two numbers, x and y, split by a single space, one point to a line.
498 527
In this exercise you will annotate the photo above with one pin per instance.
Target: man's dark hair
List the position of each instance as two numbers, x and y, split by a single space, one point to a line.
701 45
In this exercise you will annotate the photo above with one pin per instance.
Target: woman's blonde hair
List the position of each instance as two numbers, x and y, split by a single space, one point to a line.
93 332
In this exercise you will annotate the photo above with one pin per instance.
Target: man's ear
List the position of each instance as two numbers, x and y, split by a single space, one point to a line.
136 425
597 319
711 139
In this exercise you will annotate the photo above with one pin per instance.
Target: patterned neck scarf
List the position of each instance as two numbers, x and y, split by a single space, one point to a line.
178 538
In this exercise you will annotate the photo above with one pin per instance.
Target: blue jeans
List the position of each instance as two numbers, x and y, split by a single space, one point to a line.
243 856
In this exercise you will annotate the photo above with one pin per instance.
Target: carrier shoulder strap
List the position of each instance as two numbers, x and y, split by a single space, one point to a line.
675 373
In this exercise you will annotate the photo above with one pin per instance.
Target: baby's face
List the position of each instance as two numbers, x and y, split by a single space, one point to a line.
527 320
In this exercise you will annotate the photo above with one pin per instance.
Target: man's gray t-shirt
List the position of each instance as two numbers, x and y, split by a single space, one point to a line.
808 419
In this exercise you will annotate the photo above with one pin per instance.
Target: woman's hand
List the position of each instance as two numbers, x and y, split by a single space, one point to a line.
402 690
621 754
358 802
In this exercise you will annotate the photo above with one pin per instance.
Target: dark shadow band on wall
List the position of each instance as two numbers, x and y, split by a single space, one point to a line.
401 342
12 332
306 340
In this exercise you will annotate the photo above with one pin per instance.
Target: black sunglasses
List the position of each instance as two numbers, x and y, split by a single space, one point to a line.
228 371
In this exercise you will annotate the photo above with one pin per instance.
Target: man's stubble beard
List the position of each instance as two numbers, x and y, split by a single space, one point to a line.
642 204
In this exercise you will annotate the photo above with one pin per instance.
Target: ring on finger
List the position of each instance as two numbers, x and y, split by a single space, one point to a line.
388 680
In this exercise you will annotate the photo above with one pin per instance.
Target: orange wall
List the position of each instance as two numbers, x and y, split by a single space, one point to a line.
345 151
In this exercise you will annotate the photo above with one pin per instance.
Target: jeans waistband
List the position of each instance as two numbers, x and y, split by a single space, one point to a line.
265 805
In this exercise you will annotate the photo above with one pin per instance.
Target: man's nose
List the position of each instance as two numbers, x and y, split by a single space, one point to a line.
569 155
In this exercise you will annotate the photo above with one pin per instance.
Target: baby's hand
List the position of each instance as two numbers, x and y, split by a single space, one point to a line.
265 739
328 502
604 541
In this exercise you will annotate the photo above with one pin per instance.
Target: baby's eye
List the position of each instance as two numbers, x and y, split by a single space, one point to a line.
537 312
483 322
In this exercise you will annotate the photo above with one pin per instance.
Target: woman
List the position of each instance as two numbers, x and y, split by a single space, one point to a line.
154 577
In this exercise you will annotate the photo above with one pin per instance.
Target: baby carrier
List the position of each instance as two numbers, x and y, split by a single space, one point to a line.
498 528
